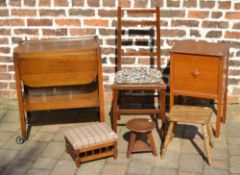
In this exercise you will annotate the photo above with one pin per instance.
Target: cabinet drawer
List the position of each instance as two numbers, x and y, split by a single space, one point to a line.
194 74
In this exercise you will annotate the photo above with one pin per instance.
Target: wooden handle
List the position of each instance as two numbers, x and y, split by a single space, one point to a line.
195 73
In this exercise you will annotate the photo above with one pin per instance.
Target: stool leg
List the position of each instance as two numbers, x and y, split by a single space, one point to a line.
167 139
152 143
206 141
210 134
132 140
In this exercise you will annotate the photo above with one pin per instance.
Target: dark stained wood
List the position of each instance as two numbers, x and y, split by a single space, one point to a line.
135 23
205 67
139 126
158 88
58 74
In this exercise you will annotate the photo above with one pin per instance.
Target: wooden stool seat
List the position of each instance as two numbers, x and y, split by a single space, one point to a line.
191 114
139 126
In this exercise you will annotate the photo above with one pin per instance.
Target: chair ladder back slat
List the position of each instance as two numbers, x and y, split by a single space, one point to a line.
119 40
158 38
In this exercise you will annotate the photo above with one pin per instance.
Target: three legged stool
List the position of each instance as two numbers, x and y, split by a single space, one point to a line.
139 126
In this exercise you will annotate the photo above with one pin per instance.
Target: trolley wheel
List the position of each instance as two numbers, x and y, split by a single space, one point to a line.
20 140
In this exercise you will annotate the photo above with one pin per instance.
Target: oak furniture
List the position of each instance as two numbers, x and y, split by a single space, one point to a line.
58 74
200 69
90 142
191 114
148 79
138 127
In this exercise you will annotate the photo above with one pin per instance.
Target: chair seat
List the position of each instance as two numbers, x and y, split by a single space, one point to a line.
190 114
139 75
89 135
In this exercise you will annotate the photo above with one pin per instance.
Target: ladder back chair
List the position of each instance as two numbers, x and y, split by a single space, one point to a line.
58 74
146 79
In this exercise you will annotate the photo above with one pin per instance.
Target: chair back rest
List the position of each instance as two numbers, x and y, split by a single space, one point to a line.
130 23
57 69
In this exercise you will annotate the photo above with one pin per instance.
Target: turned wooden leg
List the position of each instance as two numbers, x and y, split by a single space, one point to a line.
207 146
210 134
167 139
132 140
152 143
115 110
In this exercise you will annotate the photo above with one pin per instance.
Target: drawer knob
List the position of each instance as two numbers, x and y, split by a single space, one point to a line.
195 73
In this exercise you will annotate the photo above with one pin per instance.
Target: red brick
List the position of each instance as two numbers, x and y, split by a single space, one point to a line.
11 68
5 76
23 12
198 14
5 31
26 31
155 3
109 3
107 51
217 14
234 35
4 50
56 32
107 13
16 40
39 22
4 12
173 33
172 13
236 26
108 69
190 3
52 12
214 34
173 3
3 85
45 3
93 3
30 3
3 3
11 22
12 85
232 15
124 3
140 3
67 22
215 24
81 12
207 4
15 3
234 72
80 32
3 68
78 2
107 32
61 3
4 40
195 33
233 81
237 6
224 4
188 23
96 22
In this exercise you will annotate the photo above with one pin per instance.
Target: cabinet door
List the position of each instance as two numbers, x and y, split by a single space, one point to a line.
195 75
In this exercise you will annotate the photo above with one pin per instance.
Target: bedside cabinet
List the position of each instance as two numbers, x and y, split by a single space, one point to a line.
200 69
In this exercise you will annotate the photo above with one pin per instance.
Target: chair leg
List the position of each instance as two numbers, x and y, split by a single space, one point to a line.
167 139
210 134
161 101
206 141
152 143
115 110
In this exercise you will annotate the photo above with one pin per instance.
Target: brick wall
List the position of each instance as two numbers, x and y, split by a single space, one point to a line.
214 21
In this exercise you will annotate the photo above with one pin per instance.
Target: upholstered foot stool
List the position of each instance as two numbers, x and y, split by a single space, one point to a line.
91 142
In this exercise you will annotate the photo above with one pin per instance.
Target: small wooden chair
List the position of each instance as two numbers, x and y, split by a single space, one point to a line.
138 78
58 74
191 114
